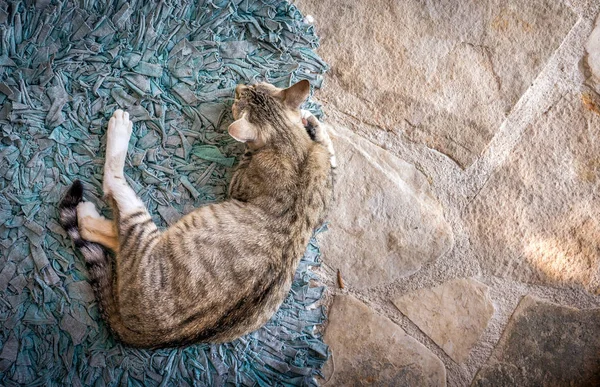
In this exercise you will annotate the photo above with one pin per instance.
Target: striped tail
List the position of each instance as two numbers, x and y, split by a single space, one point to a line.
100 270
96 257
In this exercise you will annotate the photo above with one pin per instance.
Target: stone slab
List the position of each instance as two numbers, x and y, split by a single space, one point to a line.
537 218
443 73
453 315
592 49
545 344
384 223
370 350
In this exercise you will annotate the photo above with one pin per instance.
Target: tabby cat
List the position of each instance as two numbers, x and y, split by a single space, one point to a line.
224 269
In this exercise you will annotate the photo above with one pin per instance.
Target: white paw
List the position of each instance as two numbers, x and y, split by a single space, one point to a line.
117 142
119 133
322 136
305 113
332 160
87 209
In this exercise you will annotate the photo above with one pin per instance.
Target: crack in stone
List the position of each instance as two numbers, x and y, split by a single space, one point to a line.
488 55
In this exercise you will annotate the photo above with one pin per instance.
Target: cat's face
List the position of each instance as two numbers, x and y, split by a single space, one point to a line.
262 111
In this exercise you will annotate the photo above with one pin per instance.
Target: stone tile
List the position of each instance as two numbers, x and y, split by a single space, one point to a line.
545 344
370 350
454 314
444 73
536 219
592 49
385 222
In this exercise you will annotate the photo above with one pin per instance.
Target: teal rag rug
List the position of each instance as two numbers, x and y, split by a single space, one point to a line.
65 66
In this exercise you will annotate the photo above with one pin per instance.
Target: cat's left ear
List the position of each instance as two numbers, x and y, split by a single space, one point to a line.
242 130
294 95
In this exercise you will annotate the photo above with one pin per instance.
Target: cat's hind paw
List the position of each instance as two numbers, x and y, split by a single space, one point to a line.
87 209
117 141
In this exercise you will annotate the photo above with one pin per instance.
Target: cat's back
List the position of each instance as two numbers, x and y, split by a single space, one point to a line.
204 264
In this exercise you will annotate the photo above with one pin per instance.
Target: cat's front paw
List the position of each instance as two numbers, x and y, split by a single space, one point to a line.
305 113
318 132
308 119
332 157
309 123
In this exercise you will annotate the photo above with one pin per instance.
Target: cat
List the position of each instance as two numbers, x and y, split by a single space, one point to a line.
224 269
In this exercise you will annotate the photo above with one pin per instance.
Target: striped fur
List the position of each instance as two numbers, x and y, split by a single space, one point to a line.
224 269
95 256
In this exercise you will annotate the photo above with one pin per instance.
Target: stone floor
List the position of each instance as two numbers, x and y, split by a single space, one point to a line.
467 217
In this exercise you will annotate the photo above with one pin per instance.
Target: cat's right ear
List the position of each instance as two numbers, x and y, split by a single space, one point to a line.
294 95
242 130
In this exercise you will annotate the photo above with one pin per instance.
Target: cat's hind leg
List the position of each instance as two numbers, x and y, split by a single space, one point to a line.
114 185
320 134
136 231
94 227
117 143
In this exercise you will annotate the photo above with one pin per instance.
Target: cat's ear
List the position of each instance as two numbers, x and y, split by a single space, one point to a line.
294 95
242 130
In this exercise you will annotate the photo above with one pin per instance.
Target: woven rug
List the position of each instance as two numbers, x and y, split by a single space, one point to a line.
65 66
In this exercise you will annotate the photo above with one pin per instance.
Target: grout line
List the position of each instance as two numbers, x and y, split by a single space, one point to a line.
547 89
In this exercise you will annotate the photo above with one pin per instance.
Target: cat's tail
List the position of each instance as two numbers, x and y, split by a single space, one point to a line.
100 270
95 256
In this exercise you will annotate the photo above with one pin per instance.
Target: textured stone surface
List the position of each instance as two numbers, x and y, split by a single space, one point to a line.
454 314
592 49
546 344
536 219
445 73
370 350
385 223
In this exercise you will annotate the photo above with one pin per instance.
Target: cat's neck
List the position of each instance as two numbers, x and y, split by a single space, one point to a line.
291 142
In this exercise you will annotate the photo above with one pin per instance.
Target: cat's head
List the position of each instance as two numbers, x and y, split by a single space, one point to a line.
262 112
